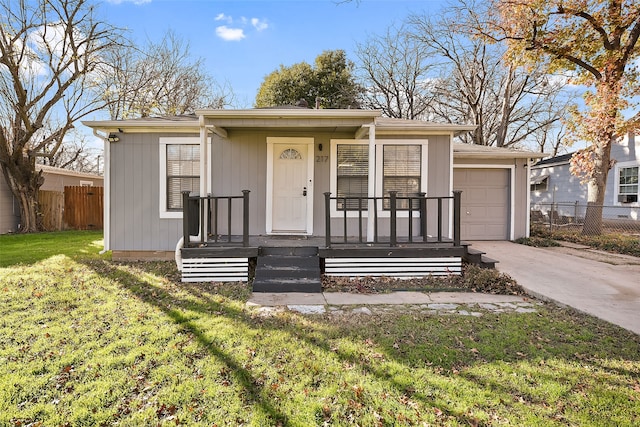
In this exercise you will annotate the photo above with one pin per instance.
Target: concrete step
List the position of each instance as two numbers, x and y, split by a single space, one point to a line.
487 262
477 257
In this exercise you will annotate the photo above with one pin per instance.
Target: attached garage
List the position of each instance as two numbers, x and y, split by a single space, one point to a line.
495 191
486 195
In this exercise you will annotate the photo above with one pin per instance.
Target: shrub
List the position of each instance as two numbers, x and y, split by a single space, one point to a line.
490 281
538 242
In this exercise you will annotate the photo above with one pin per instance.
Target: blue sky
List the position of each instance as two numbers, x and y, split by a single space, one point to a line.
244 40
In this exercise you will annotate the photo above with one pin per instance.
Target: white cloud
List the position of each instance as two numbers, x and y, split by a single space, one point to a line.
258 24
223 17
230 34
235 28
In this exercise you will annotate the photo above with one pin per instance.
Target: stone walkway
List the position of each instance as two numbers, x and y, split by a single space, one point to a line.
437 303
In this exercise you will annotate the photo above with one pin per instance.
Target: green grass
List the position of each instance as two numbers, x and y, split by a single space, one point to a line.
28 249
87 341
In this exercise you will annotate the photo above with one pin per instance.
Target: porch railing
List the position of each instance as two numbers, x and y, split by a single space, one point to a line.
352 227
198 211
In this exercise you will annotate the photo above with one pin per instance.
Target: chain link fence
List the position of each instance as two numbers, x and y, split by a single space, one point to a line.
570 216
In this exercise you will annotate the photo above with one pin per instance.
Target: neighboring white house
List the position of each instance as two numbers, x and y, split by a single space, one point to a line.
55 179
553 183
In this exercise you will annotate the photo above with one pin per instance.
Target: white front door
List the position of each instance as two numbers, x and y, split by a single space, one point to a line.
291 187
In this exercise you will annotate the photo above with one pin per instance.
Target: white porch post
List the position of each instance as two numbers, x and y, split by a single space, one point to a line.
204 160
371 190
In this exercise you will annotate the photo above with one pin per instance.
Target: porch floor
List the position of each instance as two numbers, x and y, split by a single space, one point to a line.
288 241
278 258
258 243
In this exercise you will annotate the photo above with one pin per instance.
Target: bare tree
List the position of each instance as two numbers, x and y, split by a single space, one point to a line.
395 70
160 79
508 104
75 153
50 55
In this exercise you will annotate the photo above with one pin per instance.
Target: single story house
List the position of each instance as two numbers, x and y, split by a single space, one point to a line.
55 179
350 183
553 184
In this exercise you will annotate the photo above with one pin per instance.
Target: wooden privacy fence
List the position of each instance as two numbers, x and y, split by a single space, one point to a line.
78 208
83 207
51 208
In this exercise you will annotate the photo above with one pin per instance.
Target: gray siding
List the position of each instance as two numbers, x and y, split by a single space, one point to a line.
521 207
9 209
438 179
135 220
238 163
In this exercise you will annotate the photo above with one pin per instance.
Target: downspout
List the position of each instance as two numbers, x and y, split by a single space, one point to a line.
106 227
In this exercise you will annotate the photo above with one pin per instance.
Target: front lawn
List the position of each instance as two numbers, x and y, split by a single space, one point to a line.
32 248
87 341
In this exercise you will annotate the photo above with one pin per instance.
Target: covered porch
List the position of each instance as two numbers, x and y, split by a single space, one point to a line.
397 245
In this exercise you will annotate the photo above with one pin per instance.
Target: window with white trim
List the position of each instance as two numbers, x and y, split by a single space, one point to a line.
183 172
628 184
179 167
352 172
400 165
401 172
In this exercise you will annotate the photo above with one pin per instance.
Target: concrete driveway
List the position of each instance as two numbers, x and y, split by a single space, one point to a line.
601 284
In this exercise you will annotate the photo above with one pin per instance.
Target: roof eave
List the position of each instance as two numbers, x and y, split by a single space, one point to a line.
415 129
275 113
497 155
143 126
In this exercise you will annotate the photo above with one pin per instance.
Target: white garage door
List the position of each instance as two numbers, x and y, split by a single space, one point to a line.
484 202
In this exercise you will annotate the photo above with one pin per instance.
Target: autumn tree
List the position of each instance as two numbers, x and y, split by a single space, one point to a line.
329 83
50 54
596 41
159 79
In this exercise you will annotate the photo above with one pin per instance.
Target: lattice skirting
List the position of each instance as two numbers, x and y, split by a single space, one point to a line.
215 269
400 268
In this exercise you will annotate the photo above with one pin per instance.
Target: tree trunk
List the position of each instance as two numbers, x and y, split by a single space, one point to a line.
24 182
596 188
